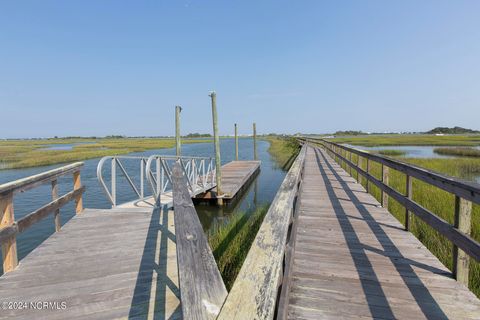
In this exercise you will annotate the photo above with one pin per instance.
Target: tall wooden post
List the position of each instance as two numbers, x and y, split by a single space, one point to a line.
255 141
463 220
77 184
178 143
368 171
9 247
216 138
236 142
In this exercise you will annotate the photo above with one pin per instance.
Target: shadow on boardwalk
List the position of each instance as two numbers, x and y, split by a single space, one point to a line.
376 298
154 283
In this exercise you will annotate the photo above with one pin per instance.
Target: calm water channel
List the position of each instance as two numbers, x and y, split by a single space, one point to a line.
260 192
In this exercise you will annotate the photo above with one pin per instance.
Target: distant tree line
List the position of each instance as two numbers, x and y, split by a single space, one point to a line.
454 130
197 135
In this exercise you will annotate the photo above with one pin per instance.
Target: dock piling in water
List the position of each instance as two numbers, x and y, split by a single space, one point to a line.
216 138
178 142
236 142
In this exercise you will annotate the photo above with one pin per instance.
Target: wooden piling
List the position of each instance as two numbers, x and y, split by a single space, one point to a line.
216 138
385 180
178 142
255 141
236 142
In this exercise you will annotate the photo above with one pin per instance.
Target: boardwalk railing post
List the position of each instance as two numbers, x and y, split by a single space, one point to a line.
385 180
9 247
56 214
216 138
178 143
236 142
368 171
77 184
461 261
360 164
255 141
408 194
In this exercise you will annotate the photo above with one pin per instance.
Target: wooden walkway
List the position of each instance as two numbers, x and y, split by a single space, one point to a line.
103 264
353 260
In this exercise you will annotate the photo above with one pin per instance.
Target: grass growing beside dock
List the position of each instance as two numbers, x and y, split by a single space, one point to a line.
437 201
410 140
283 151
458 152
230 242
32 153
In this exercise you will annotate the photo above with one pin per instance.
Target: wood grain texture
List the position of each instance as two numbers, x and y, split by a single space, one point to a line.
353 260
202 289
105 264
464 189
255 290
457 237
38 179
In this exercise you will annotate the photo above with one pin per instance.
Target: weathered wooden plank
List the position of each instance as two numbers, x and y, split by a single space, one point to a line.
37 215
460 239
201 286
7 220
354 260
254 293
464 189
41 178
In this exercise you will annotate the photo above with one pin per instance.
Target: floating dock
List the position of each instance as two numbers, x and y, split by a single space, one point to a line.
236 176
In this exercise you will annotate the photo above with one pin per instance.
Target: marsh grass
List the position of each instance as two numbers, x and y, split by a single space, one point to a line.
391 152
458 151
437 201
231 241
410 140
32 153
283 151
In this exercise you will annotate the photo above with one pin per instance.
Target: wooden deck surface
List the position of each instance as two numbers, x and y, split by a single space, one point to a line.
353 260
104 264
236 175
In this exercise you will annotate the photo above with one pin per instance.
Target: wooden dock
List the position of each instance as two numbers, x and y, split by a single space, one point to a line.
353 259
103 264
236 175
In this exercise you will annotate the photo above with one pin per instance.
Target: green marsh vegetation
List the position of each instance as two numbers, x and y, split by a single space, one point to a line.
410 140
437 201
283 150
458 151
231 241
391 152
32 153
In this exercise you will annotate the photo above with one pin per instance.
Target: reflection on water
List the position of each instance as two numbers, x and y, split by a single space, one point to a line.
410 151
260 192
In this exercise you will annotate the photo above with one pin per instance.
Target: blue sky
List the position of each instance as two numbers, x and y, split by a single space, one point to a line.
120 67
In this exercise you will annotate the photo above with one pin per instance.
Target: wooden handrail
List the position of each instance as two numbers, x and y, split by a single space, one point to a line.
9 227
27 183
201 286
465 193
255 291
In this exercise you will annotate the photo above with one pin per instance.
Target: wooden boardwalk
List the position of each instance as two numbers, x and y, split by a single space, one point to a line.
353 260
103 264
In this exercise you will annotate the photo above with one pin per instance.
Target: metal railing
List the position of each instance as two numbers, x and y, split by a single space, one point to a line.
200 173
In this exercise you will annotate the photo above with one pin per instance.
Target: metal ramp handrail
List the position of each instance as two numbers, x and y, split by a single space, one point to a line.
200 173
